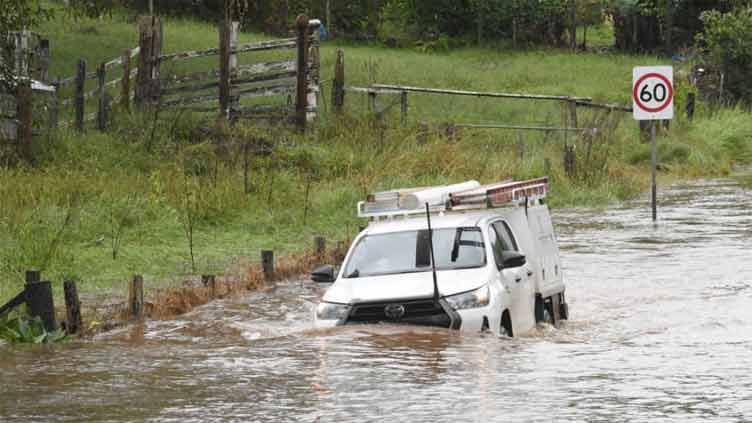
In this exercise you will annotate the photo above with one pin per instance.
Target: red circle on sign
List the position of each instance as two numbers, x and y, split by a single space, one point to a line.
660 107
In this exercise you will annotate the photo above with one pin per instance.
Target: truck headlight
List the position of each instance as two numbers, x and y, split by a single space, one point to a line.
332 311
471 299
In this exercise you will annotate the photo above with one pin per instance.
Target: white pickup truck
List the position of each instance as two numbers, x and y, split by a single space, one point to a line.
488 261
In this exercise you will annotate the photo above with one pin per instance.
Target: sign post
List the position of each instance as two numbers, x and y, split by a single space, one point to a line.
653 100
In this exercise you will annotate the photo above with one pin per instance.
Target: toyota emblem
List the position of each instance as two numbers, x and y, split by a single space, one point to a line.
394 311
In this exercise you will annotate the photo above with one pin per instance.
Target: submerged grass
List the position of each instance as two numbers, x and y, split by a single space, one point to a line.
166 200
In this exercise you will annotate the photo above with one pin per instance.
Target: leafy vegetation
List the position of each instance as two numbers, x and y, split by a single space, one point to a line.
16 15
21 330
727 43
639 25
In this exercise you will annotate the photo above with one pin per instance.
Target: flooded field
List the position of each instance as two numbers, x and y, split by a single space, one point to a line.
660 330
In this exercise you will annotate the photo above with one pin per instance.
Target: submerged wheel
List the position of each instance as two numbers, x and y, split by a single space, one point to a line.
539 309
506 324
563 308
544 310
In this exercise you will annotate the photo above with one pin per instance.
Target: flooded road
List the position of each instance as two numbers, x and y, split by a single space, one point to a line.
660 330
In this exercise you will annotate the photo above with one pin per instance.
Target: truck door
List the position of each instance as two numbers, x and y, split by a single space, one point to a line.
517 279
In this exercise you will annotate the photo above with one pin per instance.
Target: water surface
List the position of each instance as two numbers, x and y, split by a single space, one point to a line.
660 330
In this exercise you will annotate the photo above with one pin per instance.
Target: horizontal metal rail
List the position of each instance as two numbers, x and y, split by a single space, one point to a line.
368 90
520 127
618 107
400 88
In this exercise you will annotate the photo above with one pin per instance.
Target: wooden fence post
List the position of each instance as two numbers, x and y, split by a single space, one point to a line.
267 264
136 297
246 167
234 28
224 69
40 304
79 100
569 160
690 106
338 86
155 86
125 82
372 102
314 67
143 77
403 107
451 132
33 276
210 281
301 103
340 252
319 246
422 136
44 59
102 94
572 113
72 307
54 115
520 146
24 115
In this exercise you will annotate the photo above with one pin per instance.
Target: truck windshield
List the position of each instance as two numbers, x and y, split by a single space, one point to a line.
408 251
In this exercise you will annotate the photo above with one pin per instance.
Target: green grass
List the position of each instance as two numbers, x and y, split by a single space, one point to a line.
58 214
599 36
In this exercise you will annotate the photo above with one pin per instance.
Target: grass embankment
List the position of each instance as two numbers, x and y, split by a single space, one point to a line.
100 207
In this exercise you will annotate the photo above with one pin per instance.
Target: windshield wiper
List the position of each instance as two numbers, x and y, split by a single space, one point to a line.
355 273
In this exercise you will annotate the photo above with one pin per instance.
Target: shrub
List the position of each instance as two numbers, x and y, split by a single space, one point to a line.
727 45
20 330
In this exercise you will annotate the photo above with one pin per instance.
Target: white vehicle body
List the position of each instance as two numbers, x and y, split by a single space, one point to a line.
486 295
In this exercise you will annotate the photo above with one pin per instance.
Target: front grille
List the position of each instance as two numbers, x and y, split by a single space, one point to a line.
417 312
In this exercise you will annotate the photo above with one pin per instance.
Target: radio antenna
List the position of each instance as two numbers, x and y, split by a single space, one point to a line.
433 261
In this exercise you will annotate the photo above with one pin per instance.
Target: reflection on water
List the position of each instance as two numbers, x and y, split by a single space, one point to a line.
661 330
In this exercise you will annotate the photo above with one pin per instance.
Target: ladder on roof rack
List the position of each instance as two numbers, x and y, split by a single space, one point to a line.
458 197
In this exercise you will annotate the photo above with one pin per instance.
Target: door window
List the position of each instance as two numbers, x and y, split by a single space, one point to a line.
508 242
501 240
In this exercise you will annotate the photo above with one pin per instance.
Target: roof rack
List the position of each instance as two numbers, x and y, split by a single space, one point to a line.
470 195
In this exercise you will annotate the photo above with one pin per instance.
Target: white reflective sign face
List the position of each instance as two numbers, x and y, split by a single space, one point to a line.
653 92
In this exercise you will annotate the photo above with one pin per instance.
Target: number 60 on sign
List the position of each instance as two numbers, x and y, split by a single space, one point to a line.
653 92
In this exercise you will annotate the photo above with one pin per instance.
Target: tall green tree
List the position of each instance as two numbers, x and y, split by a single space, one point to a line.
727 43
16 15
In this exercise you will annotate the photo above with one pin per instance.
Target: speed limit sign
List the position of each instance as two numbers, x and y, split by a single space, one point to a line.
653 92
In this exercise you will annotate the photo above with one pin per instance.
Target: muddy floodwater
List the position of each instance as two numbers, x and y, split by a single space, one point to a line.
660 330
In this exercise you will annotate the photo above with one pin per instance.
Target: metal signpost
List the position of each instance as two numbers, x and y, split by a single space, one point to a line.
653 100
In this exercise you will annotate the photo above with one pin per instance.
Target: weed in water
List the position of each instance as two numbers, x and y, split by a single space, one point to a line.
21 330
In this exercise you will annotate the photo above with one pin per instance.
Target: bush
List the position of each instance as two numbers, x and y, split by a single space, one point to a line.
727 45
92 8
21 330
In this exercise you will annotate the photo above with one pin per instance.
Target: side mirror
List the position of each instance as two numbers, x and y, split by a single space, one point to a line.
323 274
511 259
